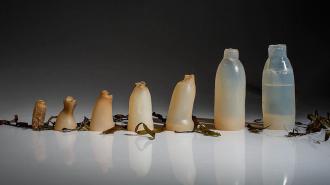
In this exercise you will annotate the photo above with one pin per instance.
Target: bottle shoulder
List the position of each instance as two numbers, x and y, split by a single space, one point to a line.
231 65
278 64
230 72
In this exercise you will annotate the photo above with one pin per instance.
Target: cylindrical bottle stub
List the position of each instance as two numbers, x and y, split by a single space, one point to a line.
231 53
277 50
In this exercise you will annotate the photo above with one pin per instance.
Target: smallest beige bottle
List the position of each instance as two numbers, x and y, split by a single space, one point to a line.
179 117
140 107
65 118
39 113
102 113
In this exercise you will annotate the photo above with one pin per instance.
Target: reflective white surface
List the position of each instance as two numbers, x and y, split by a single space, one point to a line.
49 157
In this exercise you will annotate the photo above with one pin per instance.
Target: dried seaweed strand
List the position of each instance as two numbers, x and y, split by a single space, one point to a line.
15 123
145 131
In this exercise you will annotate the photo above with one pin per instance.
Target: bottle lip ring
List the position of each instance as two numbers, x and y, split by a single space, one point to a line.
277 46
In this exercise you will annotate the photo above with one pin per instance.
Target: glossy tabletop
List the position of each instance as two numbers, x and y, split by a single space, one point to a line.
51 157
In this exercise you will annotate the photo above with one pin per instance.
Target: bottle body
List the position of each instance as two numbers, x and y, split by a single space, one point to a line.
278 90
65 118
179 117
102 119
230 85
140 108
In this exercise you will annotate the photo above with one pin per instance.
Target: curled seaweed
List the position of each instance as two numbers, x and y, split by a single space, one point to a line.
145 131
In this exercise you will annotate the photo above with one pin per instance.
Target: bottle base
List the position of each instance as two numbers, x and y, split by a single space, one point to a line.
279 122
180 127
229 124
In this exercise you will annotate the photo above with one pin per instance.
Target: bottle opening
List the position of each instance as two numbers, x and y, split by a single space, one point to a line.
188 77
41 101
141 84
231 53
105 92
69 99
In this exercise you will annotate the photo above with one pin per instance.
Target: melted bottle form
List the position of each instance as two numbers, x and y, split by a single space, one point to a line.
65 118
179 117
278 91
140 107
102 119
229 106
38 116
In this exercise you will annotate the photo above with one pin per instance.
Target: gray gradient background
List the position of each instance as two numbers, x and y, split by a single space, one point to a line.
51 50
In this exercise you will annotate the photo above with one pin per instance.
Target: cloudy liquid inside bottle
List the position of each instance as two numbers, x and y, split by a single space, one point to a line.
278 106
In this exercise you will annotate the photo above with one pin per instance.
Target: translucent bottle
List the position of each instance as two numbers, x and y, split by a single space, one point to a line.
229 105
140 107
278 92
65 118
101 119
179 117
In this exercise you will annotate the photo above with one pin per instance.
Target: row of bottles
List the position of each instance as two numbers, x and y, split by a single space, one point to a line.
140 109
278 92
278 99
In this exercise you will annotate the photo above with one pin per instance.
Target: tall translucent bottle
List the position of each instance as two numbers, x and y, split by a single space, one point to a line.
229 105
278 91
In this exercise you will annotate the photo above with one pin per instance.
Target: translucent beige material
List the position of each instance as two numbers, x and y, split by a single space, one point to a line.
229 105
140 107
102 119
278 90
179 117
65 118
39 113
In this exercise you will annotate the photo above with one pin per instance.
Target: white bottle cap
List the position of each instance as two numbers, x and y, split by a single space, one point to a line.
231 53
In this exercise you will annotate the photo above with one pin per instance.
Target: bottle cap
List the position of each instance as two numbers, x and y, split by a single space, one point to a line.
231 53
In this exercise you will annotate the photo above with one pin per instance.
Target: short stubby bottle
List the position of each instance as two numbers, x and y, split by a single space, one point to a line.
230 82
278 91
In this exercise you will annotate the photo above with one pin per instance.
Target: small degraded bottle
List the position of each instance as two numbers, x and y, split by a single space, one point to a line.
101 119
278 90
38 116
140 107
179 117
65 118
229 105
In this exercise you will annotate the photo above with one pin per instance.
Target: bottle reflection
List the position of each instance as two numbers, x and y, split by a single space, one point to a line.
181 156
39 146
66 143
140 155
102 150
278 158
253 158
229 158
